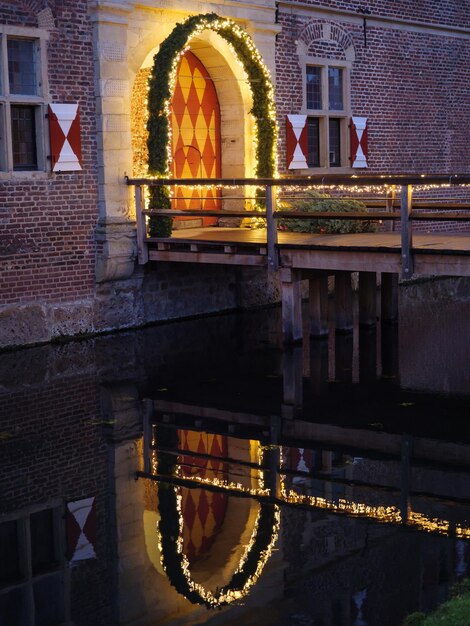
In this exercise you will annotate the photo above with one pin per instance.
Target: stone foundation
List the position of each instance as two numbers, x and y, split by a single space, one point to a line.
153 294
431 357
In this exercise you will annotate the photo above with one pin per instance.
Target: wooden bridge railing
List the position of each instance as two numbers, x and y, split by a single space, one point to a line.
395 206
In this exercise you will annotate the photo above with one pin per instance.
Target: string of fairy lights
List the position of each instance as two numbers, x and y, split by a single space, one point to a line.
243 49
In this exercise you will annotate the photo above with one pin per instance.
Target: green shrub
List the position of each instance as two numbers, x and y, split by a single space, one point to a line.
414 619
316 202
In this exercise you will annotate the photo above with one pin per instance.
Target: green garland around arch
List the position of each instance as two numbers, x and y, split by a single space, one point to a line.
161 84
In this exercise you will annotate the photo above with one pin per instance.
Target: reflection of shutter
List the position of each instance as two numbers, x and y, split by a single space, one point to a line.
64 129
81 529
296 142
359 142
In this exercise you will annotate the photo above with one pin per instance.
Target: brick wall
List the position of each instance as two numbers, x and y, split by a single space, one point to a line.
410 85
52 451
452 12
47 221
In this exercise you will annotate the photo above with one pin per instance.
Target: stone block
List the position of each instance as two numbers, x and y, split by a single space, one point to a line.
74 318
24 367
20 325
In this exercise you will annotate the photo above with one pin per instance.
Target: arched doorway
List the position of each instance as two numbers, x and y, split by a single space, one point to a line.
195 132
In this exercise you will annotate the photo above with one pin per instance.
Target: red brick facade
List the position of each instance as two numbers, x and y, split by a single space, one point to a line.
47 234
409 77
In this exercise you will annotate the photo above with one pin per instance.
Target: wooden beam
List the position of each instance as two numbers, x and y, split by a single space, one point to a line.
343 302
389 297
141 228
271 227
291 306
292 371
367 298
355 261
318 303
406 232
353 180
207 257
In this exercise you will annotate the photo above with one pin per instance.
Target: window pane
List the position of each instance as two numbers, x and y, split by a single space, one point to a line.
314 98
42 541
49 601
21 66
334 128
23 131
14 608
9 561
313 136
3 142
335 89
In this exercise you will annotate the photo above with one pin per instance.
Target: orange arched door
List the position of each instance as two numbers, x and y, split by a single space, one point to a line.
195 125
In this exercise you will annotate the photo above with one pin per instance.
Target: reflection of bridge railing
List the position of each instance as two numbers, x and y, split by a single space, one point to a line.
390 193
403 512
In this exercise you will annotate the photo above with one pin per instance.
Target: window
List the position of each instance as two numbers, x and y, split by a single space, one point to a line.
32 569
22 99
326 104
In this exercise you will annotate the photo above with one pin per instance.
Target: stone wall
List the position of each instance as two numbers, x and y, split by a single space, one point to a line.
431 357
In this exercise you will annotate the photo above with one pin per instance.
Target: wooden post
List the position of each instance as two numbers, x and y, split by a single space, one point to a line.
147 412
142 247
367 298
344 357
389 206
319 366
343 302
291 306
318 303
275 456
292 378
389 297
271 228
406 454
406 233
367 354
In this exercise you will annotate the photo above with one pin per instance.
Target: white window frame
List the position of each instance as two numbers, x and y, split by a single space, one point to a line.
38 100
324 114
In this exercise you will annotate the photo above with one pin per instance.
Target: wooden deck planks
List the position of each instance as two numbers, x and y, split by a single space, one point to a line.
435 253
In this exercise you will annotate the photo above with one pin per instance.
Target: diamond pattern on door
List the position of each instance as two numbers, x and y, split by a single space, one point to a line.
203 511
195 125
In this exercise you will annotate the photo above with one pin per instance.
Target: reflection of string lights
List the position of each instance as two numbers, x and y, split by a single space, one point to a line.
387 514
255 556
265 530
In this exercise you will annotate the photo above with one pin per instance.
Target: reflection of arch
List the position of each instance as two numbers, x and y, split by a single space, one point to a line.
174 561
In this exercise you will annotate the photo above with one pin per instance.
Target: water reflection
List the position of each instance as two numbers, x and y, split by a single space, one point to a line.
285 486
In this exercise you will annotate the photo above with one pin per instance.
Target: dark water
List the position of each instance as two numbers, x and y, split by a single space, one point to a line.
200 473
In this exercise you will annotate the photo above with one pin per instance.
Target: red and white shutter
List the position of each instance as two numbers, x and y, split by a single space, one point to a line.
64 129
359 142
296 142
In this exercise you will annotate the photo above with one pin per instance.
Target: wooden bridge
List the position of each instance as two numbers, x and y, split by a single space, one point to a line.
300 256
